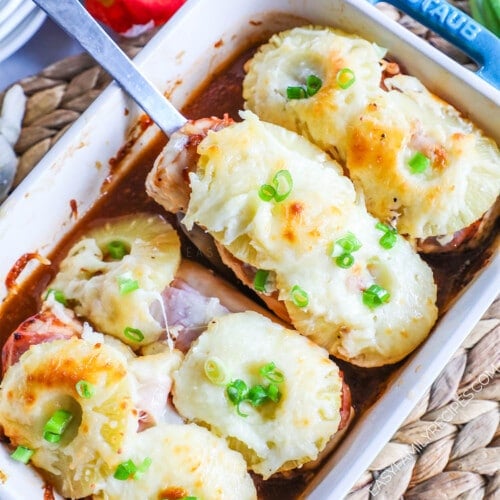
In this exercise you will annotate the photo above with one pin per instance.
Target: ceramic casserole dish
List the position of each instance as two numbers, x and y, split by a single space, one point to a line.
201 37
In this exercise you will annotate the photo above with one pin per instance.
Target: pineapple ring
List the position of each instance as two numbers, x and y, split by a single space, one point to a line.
43 381
461 182
91 279
276 436
289 58
186 461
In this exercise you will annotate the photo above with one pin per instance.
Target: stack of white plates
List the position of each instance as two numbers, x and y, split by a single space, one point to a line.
19 21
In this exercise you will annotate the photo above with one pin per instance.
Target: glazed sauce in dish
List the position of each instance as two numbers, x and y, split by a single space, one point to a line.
223 94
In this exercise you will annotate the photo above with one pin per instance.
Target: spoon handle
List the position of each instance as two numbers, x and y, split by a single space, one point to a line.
79 24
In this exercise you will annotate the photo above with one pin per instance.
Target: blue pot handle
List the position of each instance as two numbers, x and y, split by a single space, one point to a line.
459 29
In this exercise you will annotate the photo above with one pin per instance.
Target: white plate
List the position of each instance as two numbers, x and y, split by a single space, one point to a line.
18 27
177 64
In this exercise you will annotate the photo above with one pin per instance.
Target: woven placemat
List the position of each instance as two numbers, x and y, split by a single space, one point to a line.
449 446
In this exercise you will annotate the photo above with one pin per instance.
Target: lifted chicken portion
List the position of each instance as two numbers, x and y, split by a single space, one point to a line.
279 205
168 182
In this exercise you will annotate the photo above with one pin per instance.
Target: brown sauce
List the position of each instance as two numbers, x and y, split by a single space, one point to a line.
222 93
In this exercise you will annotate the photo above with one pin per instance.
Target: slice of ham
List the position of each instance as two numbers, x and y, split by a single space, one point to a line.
45 326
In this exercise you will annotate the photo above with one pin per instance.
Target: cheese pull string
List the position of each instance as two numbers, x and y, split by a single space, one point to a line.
79 24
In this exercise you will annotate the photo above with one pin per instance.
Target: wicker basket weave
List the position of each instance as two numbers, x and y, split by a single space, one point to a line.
449 446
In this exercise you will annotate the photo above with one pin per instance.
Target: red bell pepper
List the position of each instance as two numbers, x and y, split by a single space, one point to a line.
122 15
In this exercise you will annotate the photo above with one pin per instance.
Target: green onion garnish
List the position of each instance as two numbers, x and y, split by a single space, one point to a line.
215 371
143 467
349 243
22 454
84 389
389 238
273 393
257 394
345 78
270 373
344 260
58 295
56 425
283 184
299 296
133 334
260 280
280 189
267 192
125 470
296 93
127 285
237 392
375 296
418 163
313 84
117 249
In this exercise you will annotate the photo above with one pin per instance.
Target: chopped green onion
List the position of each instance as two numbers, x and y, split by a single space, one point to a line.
58 295
143 467
84 389
389 238
313 84
133 334
345 78
215 371
344 260
299 296
257 395
270 373
349 243
237 392
281 188
296 93
127 285
50 437
418 163
22 454
375 296
125 470
273 393
128 469
260 280
56 425
283 184
189 498
267 192
117 249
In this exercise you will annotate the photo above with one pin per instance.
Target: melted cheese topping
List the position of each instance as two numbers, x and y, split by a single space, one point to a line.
289 58
376 132
292 238
43 381
186 460
462 181
276 436
91 279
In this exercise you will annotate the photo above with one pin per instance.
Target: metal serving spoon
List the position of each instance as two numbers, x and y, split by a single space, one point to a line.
79 24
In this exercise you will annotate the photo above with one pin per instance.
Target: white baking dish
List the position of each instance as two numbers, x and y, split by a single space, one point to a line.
41 211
